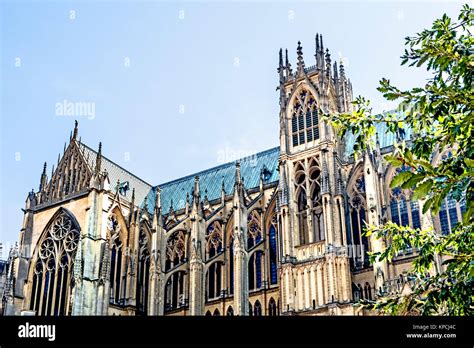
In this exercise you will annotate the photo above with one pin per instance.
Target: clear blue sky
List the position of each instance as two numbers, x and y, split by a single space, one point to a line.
174 61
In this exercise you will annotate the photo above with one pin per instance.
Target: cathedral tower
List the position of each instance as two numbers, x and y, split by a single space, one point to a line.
315 267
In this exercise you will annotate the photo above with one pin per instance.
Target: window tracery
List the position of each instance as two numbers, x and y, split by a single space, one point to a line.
214 239
254 228
175 250
304 120
52 270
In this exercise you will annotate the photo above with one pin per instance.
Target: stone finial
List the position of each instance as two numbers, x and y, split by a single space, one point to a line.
287 64
76 129
238 177
328 63
300 64
43 178
98 161
196 190
342 73
280 63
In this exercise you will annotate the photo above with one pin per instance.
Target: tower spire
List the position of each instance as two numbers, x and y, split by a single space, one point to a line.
98 160
43 179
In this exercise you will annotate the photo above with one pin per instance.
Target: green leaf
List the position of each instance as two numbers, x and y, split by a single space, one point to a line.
400 178
422 189
394 161
415 179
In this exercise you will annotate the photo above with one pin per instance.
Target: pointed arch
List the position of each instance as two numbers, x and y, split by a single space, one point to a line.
229 237
272 307
403 210
273 248
254 228
255 270
143 272
51 270
303 115
315 204
117 238
214 279
214 239
230 311
302 215
175 290
257 309
175 250
357 218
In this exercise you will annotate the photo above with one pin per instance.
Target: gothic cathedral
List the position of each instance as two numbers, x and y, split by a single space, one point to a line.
276 233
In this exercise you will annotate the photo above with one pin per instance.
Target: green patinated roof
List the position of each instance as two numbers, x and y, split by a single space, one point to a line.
211 180
385 137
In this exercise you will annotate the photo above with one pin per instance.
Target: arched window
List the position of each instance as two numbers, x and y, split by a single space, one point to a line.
175 250
214 239
231 265
250 310
143 274
216 313
304 120
52 270
357 211
257 309
254 228
451 210
255 270
175 291
272 307
356 293
116 260
367 291
301 203
402 210
302 217
272 236
316 202
214 280
208 314
230 311
451 213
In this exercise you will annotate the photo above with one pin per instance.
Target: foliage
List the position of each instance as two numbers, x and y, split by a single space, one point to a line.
440 115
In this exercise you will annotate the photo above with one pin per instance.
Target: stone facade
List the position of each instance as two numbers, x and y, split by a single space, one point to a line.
277 233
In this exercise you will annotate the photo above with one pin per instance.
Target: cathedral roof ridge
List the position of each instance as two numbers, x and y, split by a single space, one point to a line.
213 179
117 165
226 164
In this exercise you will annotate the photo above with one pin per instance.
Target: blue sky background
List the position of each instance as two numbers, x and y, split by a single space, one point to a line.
196 87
